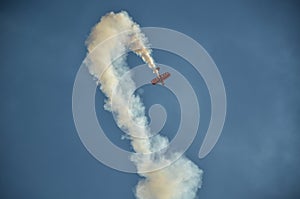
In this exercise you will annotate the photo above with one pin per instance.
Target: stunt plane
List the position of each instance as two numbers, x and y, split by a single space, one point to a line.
145 55
160 77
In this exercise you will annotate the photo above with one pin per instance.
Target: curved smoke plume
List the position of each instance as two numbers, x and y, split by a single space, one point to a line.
182 178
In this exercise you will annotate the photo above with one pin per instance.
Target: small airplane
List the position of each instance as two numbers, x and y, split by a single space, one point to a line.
160 77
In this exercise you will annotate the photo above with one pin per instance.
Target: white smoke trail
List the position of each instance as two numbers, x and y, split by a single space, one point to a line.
182 178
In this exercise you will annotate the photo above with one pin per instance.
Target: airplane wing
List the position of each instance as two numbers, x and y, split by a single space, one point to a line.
165 75
155 81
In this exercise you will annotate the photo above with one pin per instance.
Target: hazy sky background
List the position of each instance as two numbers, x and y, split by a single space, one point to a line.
255 44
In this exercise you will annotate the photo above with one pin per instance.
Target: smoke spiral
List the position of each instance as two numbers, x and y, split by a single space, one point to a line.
107 64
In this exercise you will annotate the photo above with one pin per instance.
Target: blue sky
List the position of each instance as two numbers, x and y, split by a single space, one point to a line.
255 45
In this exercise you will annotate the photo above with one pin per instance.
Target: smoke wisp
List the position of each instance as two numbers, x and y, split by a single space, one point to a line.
182 178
